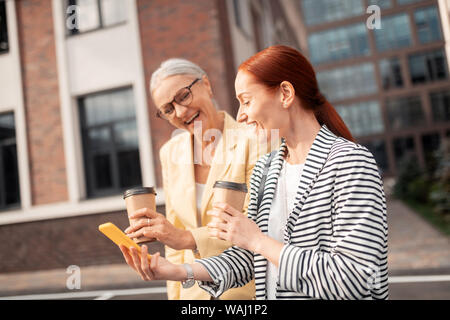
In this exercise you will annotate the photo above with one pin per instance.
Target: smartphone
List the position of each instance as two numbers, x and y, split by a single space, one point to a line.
118 237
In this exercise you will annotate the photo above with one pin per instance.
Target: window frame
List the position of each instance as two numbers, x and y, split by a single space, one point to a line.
394 104
437 104
9 142
113 148
101 25
390 63
439 24
4 27
380 39
431 74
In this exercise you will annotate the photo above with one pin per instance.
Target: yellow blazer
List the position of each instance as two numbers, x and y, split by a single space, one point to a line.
233 160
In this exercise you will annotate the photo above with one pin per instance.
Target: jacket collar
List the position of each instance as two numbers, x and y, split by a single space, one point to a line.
315 161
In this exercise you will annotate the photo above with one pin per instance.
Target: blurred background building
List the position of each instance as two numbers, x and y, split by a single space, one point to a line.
78 127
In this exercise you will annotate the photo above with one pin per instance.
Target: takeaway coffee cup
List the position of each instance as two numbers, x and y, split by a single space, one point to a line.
138 198
231 193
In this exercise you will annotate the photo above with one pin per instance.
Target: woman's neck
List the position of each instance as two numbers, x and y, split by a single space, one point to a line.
300 136
217 123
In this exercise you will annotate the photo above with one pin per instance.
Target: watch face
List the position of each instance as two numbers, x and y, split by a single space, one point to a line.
189 283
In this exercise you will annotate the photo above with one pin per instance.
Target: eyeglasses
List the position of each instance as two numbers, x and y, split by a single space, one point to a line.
182 97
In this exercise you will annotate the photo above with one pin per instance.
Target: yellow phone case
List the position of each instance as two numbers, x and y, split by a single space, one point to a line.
118 237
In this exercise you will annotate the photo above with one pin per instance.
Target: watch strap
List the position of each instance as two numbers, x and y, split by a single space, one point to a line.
190 272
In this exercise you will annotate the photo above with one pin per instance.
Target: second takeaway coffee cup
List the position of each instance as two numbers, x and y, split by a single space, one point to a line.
231 193
138 198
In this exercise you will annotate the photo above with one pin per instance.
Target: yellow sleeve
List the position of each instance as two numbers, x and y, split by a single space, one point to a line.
207 246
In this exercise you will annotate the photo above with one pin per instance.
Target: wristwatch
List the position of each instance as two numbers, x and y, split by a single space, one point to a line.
190 277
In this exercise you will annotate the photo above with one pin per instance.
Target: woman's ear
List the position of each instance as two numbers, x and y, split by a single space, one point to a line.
287 94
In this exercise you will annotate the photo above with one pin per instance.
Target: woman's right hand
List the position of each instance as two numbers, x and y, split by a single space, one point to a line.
158 268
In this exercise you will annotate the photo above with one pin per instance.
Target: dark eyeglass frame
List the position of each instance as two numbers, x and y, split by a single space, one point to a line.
166 114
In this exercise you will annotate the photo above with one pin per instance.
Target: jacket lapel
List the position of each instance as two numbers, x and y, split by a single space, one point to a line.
220 163
264 211
315 161
270 187
185 188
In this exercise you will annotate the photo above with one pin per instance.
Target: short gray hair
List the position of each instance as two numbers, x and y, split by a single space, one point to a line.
173 67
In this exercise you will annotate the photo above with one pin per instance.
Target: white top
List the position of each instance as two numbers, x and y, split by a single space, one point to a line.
199 188
286 191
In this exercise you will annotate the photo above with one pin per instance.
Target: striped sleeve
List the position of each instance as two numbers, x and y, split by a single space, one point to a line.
356 265
231 269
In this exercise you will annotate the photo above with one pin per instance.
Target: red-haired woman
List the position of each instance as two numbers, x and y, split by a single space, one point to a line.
316 225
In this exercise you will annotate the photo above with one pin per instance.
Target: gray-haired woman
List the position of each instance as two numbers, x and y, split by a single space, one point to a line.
183 96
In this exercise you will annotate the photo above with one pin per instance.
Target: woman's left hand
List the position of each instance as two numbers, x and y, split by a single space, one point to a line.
233 226
158 227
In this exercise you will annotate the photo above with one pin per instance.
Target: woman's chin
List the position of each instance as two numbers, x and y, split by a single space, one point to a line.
197 124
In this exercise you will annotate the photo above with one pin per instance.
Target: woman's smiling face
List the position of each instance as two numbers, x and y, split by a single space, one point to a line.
258 106
200 108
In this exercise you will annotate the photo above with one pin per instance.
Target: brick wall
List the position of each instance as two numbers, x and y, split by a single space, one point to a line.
189 29
59 243
41 96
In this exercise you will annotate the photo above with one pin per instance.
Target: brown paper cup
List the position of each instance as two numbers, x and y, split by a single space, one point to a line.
138 198
231 193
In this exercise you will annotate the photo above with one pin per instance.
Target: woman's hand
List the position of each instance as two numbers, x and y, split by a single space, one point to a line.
157 268
158 227
234 226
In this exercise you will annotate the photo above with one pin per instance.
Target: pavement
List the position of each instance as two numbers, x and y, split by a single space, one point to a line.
418 261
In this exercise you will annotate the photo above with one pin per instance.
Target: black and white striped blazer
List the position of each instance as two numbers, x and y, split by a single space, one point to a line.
335 240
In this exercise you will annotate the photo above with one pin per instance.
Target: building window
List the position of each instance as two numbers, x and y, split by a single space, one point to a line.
4 46
337 44
394 34
440 105
110 142
9 172
391 73
428 24
347 82
242 16
404 148
94 14
383 4
323 11
430 144
363 118
405 112
378 149
400 2
427 67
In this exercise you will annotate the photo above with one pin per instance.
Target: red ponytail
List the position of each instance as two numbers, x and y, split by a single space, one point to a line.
276 64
